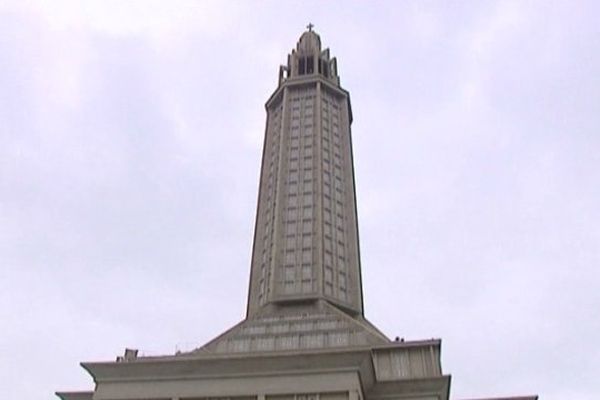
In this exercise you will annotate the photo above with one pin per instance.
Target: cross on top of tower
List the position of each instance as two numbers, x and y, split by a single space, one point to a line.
310 26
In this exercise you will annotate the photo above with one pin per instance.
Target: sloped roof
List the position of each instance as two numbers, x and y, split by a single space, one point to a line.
317 325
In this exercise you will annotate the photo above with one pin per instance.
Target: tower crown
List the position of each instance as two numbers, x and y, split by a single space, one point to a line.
308 59
309 43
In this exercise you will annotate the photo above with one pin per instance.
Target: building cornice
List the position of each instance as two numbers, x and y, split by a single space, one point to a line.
211 366
306 80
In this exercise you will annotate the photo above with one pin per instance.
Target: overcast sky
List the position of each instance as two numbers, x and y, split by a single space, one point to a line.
130 142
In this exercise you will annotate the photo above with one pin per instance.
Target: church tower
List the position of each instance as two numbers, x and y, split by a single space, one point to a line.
305 336
305 282
306 237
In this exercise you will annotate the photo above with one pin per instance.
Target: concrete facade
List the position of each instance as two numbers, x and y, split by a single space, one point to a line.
306 235
305 336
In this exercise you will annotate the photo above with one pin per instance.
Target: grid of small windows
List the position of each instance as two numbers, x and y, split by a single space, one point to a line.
297 269
270 191
334 226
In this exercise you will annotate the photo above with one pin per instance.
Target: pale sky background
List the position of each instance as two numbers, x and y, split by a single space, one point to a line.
130 142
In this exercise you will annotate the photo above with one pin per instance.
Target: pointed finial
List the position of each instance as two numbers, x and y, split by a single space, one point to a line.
310 26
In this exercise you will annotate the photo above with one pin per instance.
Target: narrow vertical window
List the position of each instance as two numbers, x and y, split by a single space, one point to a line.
301 66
